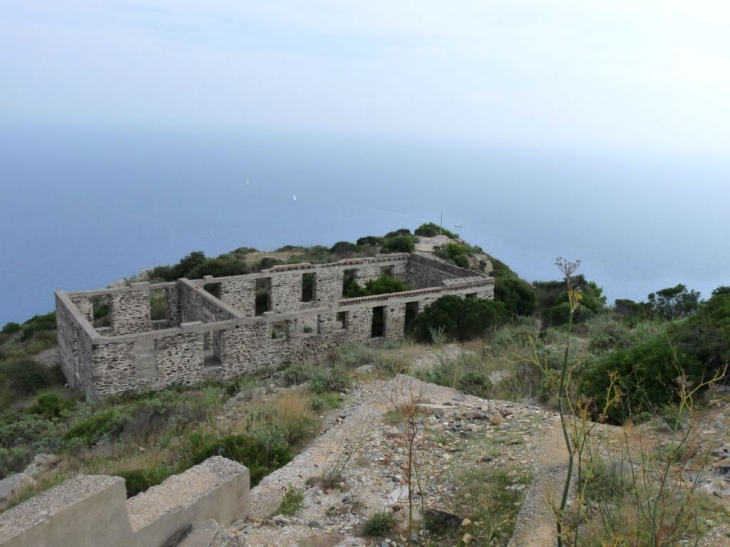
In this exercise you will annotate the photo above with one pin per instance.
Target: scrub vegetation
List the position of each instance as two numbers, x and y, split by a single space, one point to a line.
557 344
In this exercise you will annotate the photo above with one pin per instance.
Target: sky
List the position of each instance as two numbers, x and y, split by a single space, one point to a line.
647 75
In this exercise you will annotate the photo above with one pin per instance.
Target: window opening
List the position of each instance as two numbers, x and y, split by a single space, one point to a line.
263 295
378 323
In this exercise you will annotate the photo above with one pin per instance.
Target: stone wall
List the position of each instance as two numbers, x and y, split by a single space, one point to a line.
240 293
426 272
114 369
206 336
93 511
129 311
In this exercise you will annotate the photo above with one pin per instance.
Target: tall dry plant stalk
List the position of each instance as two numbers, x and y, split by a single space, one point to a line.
405 399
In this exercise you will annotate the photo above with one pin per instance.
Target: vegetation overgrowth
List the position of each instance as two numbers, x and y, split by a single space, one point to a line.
553 343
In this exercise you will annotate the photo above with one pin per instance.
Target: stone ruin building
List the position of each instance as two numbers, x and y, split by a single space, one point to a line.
217 327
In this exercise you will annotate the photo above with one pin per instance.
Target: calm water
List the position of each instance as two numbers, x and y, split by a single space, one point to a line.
81 208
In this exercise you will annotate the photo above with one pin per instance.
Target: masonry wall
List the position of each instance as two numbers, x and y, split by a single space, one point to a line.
75 347
209 337
425 272
130 311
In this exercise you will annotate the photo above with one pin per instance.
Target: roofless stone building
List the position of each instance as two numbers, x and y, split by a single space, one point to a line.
212 327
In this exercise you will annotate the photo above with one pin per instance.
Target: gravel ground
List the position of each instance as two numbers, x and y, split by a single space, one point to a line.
458 433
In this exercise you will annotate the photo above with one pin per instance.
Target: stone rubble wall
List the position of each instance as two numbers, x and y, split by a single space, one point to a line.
213 338
93 510
426 272
75 347
129 311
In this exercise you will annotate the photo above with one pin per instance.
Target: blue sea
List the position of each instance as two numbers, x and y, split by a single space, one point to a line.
82 207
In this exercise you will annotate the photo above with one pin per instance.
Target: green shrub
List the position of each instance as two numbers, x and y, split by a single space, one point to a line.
11 328
605 482
646 375
354 355
462 261
329 379
50 405
460 318
369 240
475 383
263 453
398 244
517 295
397 233
706 334
38 323
379 524
109 423
27 377
465 373
291 502
430 229
13 460
382 285
297 374
344 248
552 299
137 481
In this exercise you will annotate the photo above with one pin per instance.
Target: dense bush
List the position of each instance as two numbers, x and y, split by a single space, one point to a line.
11 328
517 295
369 240
379 524
137 481
38 323
344 248
196 265
646 375
27 376
552 300
706 334
262 453
396 233
465 373
398 244
460 318
382 285
430 229
50 405
91 430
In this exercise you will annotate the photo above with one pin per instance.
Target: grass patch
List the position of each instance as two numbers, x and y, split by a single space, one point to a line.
491 499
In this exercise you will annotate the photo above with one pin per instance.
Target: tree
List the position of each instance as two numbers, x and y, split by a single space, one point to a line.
674 302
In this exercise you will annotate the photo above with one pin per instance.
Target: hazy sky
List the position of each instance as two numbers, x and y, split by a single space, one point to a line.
647 74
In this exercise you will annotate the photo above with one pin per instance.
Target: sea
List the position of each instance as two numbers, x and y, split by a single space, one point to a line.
81 207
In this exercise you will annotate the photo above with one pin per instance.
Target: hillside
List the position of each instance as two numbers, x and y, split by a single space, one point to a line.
476 443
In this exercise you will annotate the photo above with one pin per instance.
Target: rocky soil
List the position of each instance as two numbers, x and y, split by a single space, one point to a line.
457 436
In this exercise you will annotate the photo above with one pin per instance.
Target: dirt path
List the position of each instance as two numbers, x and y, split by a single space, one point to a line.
536 522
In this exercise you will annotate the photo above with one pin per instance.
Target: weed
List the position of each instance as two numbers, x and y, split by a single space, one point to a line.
379 524
291 502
